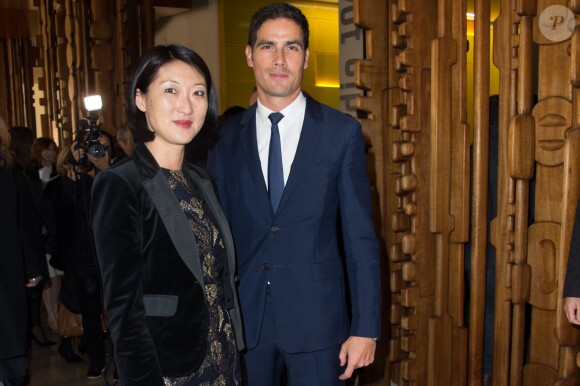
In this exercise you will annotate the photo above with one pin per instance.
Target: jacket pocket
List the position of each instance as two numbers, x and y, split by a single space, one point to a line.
160 305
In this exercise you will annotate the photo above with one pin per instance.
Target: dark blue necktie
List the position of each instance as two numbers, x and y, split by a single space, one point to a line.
275 168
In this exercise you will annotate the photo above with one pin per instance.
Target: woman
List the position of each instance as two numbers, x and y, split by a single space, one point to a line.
164 248
20 264
22 138
42 159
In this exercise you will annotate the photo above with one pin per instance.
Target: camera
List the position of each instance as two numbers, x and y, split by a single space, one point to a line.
87 138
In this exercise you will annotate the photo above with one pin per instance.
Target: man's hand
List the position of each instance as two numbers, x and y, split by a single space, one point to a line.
572 308
356 352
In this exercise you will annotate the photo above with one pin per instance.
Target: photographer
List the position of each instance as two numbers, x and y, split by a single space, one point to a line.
89 154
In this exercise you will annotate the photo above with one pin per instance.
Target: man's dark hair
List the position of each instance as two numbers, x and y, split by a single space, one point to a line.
278 11
144 74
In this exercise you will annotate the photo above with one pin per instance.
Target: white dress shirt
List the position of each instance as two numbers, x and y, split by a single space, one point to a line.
290 128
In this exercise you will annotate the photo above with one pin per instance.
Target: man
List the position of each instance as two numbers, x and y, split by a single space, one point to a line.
292 284
572 283
81 271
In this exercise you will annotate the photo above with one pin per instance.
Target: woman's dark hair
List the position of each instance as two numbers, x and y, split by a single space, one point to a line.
39 145
144 74
277 11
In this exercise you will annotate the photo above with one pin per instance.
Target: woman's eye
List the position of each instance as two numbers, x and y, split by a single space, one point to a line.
199 93
170 90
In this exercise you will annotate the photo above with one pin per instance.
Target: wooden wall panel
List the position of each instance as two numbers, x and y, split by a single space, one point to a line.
372 76
413 115
425 199
85 51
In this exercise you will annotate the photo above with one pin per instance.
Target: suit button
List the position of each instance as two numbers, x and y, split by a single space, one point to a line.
265 266
274 229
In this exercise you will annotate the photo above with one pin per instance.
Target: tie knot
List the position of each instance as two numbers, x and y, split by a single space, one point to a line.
275 118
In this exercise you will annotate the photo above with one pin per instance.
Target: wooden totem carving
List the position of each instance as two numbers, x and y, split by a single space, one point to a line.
536 141
372 76
85 50
102 60
426 192
425 188
48 36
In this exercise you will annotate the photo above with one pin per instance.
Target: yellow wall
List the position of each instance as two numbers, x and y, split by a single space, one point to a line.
321 78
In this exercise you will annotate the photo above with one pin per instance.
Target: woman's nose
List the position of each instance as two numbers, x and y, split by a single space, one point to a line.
185 105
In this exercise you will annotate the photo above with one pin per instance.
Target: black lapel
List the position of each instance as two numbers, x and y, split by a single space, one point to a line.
175 221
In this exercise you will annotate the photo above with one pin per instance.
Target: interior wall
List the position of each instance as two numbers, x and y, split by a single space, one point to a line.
197 29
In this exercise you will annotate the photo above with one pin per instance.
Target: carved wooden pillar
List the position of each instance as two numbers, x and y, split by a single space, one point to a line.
502 226
479 197
102 60
554 343
124 53
407 141
448 215
48 37
18 82
62 106
372 76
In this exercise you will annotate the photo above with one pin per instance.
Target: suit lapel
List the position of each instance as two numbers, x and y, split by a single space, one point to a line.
249 145
175 222
307 145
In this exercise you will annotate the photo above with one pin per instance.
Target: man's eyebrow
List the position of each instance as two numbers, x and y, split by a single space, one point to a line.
273 43
291 42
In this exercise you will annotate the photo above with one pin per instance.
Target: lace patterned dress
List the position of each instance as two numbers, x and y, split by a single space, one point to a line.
221 364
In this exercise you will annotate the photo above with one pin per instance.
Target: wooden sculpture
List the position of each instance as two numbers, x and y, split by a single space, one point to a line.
426 176
426 180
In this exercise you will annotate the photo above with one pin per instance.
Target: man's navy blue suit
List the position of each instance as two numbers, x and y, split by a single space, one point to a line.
296 249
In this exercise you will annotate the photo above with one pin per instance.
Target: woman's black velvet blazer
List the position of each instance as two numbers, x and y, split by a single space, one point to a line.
151 271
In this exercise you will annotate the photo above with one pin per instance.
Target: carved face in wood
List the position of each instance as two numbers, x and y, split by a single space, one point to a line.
552 121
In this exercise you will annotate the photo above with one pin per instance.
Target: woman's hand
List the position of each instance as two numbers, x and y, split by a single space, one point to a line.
33 282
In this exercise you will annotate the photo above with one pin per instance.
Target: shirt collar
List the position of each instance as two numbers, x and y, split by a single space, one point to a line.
299 104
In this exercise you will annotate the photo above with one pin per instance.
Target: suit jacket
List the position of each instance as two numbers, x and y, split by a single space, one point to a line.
572 283
151 271
296 249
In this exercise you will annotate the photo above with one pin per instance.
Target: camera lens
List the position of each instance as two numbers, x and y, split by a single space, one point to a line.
96 150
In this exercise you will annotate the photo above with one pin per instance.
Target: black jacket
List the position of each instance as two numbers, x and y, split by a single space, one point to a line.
151 271
21 259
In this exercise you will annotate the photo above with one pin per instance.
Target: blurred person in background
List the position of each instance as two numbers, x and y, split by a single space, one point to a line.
42 159
125 142
20 264
21 146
